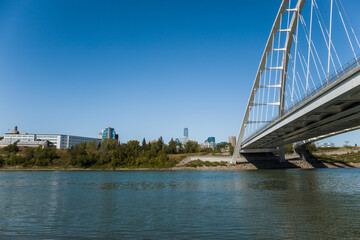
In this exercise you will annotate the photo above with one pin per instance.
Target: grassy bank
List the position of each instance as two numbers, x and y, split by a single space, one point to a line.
199 163
349 157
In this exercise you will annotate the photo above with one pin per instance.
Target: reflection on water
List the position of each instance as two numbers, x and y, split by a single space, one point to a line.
270 204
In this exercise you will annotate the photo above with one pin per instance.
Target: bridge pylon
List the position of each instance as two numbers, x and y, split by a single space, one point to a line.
264 66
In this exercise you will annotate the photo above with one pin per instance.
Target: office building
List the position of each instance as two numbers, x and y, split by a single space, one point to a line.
208 145
59 141
210 139
232 140
108 133
327 145
186 132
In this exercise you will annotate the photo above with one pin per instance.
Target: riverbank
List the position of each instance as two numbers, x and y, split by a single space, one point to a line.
157 156
293 162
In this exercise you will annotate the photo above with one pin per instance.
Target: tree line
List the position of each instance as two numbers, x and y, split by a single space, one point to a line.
109 153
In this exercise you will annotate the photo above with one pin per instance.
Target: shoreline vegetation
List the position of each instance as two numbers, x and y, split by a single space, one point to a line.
156 155
110 154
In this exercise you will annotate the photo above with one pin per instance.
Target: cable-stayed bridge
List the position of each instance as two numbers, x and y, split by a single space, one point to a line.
307 86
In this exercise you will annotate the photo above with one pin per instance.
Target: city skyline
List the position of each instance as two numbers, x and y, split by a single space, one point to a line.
119 64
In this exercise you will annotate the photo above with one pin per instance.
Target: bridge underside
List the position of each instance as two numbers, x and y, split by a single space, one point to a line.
335 108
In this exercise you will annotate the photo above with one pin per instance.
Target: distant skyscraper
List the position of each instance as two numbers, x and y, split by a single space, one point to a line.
232 140
186 132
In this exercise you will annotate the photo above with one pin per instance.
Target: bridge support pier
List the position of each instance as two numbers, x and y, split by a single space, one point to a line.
303 153
282 154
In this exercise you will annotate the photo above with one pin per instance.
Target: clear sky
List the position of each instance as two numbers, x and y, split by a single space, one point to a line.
146 68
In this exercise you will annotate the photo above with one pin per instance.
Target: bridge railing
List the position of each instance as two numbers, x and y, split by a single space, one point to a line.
332 79
347 67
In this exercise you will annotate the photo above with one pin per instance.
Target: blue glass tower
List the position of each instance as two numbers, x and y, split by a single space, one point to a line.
108 133
186 132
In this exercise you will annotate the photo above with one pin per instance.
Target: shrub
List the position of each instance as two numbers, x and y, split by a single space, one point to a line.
311 147
14 160
11 148
289 148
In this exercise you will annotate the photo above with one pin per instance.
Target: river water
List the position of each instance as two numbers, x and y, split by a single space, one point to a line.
260 204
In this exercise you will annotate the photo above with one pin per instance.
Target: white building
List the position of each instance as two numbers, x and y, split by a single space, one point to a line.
208 145
326 145
58 140
22 143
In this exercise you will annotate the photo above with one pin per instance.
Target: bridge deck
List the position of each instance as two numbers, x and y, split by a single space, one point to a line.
336 107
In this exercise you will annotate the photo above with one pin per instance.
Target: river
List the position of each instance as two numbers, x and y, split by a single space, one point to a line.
260 204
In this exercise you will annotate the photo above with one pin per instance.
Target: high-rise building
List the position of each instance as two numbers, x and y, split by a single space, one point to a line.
232 140
210 139
186 132
108 133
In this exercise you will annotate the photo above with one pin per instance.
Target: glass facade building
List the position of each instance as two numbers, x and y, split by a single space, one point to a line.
186 132
210 139
108 133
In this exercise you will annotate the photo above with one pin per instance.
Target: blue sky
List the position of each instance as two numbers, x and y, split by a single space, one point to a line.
146 68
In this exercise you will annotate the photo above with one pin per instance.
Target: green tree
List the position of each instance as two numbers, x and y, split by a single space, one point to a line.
11 148
143 142
133 149
78 154
91 147
311 147
171 148
191 147
29 155
44 156
108 144
231 149
152 153
222 145
160 144
118 157
289 148
144 146
14 160
162 159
